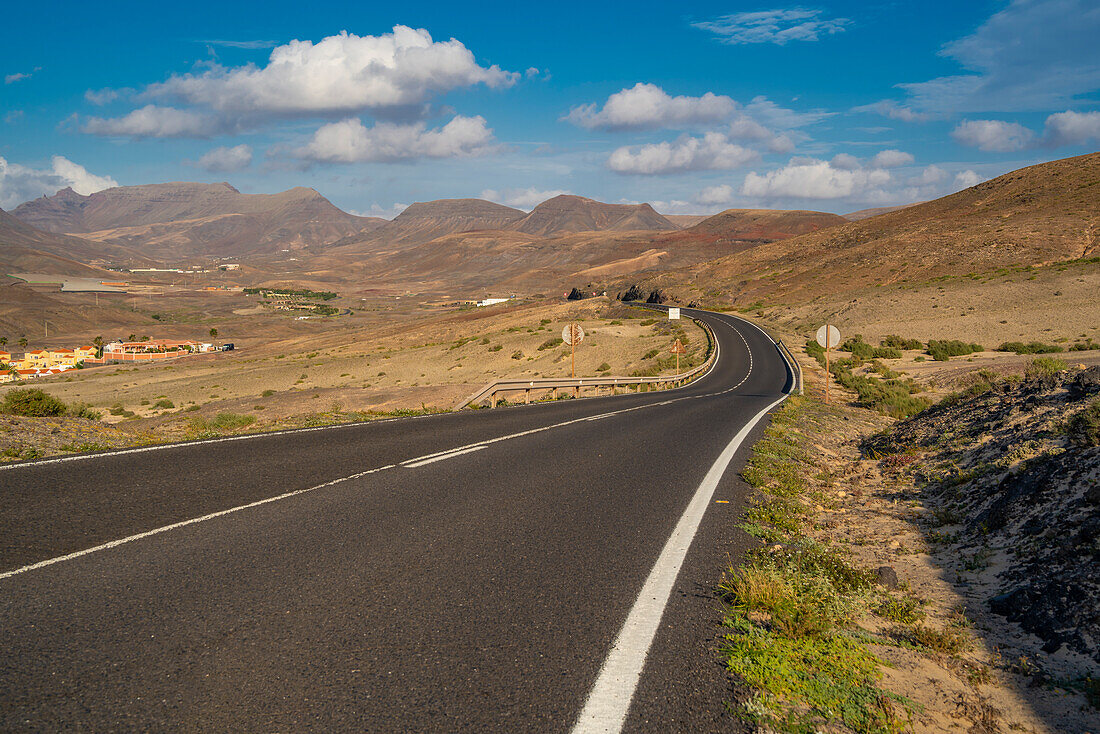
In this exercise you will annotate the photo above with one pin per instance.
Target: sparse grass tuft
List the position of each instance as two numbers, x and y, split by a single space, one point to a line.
1044 367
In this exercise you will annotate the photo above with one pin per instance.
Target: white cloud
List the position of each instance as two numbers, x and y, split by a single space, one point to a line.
647 106
712 195
846 162
152 121
526 199
248 45
993 135
966 179
893 110
1072 128
22 183
17 77
222 159
807 178
1030 56
377 210
930 176
713 151
891 159
773 26
340 74
349 141
100 97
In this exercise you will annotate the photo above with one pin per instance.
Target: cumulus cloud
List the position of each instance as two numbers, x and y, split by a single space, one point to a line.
152 121
21 183
338 75
893 110
713 151
16 77
846 162
891 159
966 179
808 178
993 135
931 175
1029 56
1072 128
349 141
647 106
224 159
713 195
526 199
773 26
377 210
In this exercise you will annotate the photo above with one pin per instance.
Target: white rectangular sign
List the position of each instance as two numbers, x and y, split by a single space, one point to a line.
674 313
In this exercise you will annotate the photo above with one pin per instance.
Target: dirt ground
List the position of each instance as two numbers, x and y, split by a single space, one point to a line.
1003 682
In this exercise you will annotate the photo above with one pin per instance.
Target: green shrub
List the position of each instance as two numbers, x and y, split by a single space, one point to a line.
1086 346
517 354
651 354
1084 428
165 403
497 347
1043 366
861 349
1029 348
603 367
84 410
941 351
551 343
32 402
223 422
893 397
267 393
896 342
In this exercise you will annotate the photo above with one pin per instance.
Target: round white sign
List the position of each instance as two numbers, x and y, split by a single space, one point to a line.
832 334
572 334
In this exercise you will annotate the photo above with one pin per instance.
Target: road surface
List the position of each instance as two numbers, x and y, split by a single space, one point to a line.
470 571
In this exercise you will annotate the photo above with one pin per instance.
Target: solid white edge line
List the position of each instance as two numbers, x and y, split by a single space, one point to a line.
608 702
185 523
441 457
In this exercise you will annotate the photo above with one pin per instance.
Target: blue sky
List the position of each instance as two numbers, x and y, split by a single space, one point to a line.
695 107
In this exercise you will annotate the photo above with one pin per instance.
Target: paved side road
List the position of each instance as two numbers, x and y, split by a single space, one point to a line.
462 572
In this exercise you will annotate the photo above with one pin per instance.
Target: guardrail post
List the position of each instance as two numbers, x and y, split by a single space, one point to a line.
527 396
493 399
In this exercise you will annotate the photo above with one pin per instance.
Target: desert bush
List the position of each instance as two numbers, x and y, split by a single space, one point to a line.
603 367
222 422
859 348
551 343
1084 428
267 393
1043 366
941 351
517 354
84 410
32 402
496 347
1086 346
1029 348
894 341
651 354
164 403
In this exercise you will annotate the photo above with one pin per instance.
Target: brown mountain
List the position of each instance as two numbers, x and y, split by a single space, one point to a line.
427 220
765 224
683 221
26 249
567 213
174 221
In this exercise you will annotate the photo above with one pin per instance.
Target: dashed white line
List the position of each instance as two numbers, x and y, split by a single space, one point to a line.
441 457
185 523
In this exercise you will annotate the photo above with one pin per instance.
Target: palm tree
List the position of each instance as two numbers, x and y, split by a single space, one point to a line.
3 341
23 342
213 333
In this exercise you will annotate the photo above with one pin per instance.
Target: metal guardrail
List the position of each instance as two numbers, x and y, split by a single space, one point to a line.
553 384
796 368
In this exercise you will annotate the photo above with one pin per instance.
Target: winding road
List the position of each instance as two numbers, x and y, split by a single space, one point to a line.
540 568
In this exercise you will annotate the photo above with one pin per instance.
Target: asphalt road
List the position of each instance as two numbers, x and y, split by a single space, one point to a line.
384 586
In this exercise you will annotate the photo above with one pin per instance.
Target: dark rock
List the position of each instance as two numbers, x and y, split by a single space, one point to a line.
886 576
1085 383
1005 604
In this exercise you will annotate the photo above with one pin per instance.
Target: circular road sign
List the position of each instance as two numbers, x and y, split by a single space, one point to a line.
829 332
832 334
572 334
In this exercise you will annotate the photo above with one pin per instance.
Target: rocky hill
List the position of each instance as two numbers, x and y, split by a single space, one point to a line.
175 221
1010 472
566 213
874 212
427 220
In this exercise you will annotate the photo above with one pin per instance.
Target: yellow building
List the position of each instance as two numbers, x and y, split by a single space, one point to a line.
5 356
62 358
37 358
83 353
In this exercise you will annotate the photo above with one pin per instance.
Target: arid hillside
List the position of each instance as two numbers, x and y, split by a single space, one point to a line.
176 221
26 249
764 224
426 220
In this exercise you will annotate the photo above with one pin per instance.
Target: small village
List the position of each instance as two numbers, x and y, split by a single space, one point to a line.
38 363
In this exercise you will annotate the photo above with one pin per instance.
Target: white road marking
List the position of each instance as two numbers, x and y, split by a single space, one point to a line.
185 523
607 705
440 457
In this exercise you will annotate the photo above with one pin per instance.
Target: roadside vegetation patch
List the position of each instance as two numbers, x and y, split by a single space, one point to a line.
893 396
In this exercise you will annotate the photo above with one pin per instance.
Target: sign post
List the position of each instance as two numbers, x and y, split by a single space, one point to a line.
678 348
828 337
674 312
572 335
